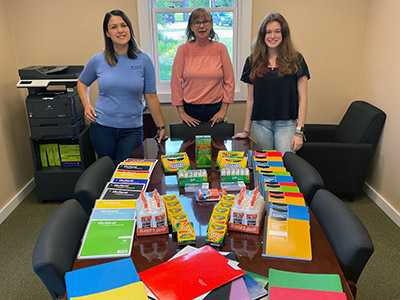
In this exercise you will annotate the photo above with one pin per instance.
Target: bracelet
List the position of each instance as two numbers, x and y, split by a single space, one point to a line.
160 127
248 132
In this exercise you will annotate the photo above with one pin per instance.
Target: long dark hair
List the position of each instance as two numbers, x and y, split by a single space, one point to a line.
194 15
109 52
288 58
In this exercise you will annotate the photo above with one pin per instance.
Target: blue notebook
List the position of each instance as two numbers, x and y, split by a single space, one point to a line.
256 291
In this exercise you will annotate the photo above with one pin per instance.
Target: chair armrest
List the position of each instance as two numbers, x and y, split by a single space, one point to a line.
343 166
320 132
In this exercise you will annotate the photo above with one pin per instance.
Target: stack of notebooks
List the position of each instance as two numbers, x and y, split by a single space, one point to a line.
287 227
192 279
301 286
287 223
114 280
129 179
110 230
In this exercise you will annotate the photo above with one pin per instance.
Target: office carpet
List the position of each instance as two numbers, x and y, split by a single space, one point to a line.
18 233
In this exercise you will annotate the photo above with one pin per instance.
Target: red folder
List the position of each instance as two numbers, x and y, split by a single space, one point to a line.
280 293
189 275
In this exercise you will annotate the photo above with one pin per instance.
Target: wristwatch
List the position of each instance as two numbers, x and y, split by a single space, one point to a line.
300 128
160 127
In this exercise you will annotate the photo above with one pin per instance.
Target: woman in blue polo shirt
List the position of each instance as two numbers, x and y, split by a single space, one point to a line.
124 74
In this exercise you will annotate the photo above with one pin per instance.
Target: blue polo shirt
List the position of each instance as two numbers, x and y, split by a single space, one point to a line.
119 103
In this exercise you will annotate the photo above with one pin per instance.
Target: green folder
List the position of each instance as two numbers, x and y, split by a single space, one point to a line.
320 282
261 280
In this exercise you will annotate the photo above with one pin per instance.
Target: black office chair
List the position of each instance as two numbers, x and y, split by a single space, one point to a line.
91 183
342 153
347 235
305 175
183 131
58 245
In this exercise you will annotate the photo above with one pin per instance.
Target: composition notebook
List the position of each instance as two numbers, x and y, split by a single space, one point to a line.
189 276
109 281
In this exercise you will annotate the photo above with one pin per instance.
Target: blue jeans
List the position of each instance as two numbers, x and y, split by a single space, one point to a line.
117 143
275 135
202 112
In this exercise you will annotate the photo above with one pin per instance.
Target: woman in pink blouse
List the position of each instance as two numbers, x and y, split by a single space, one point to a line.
202 80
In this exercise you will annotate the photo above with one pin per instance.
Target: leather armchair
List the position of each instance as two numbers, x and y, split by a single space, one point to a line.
91 183
304 174
349 239
343 153
58 245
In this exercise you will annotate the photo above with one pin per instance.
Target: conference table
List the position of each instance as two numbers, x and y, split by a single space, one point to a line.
149 251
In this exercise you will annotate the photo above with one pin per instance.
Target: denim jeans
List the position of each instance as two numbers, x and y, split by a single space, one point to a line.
202 112
275 135
117 143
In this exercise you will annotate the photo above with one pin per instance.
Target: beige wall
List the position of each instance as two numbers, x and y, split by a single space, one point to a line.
16 162
331 34
379 84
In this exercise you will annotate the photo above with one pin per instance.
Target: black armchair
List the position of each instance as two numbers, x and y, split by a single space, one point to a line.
349 239
342 153
58 245
182 130
91 183
305 175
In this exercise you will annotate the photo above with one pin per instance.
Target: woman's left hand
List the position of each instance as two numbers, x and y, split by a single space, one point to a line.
218 118
160 136
297 143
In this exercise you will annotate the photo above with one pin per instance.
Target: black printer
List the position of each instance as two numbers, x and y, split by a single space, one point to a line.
53 104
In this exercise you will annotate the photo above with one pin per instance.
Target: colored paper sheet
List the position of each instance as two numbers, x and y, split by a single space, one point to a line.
278 293
190 276
239 290
114 280
320 282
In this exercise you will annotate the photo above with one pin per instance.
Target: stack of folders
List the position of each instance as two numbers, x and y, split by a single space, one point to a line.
287 232
304 286
110 230
114 280
192 279
129 179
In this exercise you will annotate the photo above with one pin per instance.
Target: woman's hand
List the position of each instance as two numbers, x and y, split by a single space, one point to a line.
160 136
241 135
297 142
90 113
191 122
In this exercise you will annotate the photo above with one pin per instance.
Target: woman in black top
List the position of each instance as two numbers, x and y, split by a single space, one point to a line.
276 76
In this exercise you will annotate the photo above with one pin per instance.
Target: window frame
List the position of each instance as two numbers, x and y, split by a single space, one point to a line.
241 43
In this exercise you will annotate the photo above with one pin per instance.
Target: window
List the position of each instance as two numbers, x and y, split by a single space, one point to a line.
162 25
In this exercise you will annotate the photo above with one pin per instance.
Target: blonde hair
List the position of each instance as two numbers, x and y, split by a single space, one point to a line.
288 58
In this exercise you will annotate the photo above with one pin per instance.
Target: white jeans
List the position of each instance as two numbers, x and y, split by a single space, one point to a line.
275 135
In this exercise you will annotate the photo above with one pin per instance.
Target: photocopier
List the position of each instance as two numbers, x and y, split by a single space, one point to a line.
53 104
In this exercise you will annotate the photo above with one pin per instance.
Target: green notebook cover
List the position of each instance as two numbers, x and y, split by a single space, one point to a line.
320 282
106 238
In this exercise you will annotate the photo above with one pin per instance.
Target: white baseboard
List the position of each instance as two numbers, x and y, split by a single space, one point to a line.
14 202
382 203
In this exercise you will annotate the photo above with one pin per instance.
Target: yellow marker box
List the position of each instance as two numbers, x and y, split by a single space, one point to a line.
203 151
185 233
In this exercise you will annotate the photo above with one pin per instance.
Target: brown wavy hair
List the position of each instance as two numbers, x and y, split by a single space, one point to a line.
109 52
196 14
288 58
